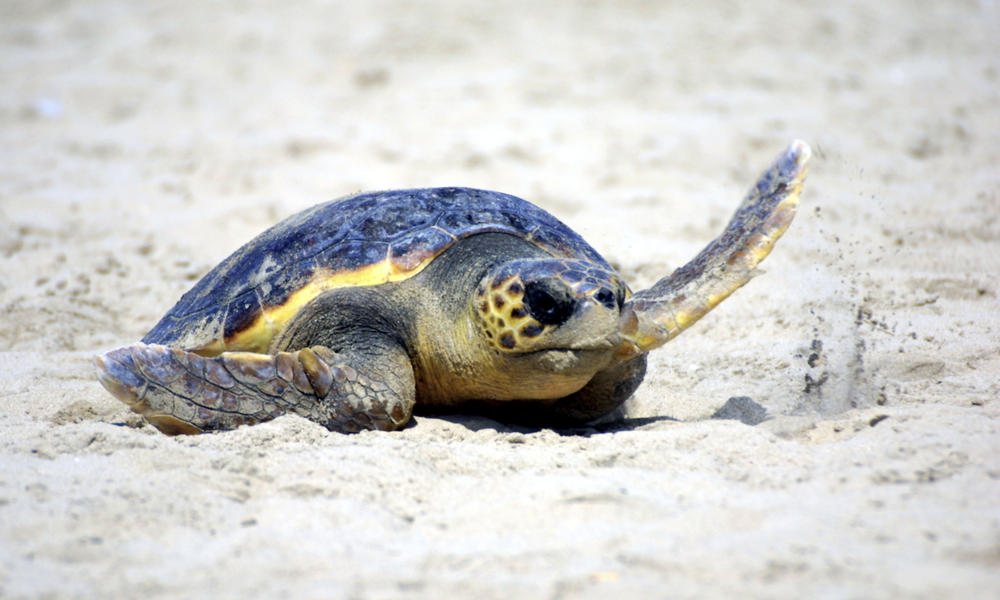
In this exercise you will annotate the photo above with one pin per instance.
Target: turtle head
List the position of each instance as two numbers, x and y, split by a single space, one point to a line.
534 308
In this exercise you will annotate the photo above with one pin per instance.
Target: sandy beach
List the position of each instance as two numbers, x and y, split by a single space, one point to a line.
141 143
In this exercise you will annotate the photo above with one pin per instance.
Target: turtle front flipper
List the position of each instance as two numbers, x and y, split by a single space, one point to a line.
652 317
183 392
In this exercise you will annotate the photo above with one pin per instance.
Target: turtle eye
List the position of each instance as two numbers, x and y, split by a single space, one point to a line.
606 297
548 302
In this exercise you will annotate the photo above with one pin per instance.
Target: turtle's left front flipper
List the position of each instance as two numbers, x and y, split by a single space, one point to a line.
652 317
183 392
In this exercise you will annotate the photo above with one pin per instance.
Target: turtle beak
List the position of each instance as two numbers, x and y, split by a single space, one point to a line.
592 326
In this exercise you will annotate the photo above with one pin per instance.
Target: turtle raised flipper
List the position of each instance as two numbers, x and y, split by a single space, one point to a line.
656 315
183 392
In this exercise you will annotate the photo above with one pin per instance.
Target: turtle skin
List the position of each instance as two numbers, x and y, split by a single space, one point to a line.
355 312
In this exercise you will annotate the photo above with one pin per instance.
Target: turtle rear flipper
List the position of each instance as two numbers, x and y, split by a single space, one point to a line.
183 392
652 317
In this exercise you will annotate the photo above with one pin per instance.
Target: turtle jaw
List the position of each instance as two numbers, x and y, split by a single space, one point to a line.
550 374
585 361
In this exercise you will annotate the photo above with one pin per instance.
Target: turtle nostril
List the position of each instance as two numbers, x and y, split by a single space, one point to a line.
606 297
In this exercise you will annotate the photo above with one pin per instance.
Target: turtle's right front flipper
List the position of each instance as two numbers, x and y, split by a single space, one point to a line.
652 317
183 392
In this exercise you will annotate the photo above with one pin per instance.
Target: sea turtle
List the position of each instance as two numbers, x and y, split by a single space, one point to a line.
353 312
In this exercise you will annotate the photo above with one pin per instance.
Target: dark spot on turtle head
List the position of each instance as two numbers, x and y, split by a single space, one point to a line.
549 301
480 291
606 297
507 341
531 330
515 288
498 301
484 307
518 312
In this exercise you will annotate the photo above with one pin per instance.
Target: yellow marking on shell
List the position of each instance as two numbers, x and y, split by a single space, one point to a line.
257 337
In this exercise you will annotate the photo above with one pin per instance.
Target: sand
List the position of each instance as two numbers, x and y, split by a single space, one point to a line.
143 142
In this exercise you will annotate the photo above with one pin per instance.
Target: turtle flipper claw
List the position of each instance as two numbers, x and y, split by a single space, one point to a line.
652 317
183 392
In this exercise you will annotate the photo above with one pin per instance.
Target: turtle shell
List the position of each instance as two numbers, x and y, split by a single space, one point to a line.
362 240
